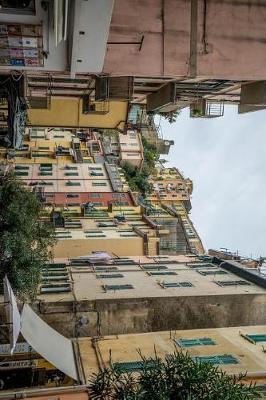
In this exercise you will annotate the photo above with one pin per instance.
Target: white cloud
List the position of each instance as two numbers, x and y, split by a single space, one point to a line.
226 159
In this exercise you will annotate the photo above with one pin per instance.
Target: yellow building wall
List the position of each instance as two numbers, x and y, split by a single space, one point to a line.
68 113
132 246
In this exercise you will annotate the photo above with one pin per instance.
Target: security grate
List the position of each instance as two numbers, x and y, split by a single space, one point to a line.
232 283
213 272
117 287
109 276
167 285
195 342
218 359
159 273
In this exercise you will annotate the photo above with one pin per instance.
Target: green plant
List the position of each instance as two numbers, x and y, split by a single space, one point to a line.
171 116
24 239
177 377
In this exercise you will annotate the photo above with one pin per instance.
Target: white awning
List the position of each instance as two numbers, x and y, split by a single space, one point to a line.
50 344
12 314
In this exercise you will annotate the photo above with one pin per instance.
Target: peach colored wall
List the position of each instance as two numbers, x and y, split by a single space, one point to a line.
235 39
131 246
61 198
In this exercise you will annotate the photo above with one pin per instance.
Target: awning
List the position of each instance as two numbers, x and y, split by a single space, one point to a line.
50 344
12 314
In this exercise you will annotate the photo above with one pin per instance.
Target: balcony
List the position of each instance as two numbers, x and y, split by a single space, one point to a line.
203 108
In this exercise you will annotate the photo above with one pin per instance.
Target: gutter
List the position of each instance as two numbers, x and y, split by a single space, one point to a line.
237 269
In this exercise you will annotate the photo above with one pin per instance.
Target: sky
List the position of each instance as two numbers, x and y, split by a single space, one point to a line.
226 159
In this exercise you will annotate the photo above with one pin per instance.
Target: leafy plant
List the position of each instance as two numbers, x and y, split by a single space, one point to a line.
138 180
177 377
24 239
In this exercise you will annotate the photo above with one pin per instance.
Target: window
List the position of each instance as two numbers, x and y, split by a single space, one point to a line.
21 173
99 184
194 265
218 360
95 168
195 342
70 167
132 234
169 285
162 273
95 235
54 276
63 234
45 173
118 195
93 173
95 195
154 267
232 283
107 276
97 203
106 225
21 167
257 338
43 148
43 183
121 203
40 154
213 272
105 269
72 195
133 366
72 183
71 174
117 287
56 288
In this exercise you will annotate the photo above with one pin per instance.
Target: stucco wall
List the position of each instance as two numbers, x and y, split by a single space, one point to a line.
155 314
230 39
68 113
131 246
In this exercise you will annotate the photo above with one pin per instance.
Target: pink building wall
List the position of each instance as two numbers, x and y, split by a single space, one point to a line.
230 44
61 199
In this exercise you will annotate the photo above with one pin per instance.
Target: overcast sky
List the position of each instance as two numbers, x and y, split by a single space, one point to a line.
226 159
